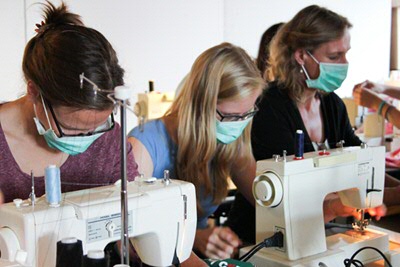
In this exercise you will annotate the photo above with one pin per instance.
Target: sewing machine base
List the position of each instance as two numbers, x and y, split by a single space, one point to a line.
340 247
5 263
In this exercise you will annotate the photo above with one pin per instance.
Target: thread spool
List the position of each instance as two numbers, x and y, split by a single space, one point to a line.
69 252
151 86
299 145
53 185
96 258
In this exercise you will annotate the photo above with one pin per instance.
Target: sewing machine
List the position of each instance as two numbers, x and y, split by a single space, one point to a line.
152 105
162 223
289 198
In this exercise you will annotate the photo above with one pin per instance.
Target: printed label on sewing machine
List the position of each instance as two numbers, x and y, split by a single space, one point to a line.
106 227
363 168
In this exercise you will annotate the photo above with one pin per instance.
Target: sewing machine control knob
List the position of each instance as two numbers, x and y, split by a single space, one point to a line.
263 191
268 190
110 227
364 145
166 179
340 144
17 202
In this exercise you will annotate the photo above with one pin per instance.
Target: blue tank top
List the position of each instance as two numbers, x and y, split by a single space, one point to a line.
162 150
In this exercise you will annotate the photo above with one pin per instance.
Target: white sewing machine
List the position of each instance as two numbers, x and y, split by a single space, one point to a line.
152 105
162 223
289 197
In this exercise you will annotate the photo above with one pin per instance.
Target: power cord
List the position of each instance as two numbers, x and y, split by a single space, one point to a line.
357 263
274 241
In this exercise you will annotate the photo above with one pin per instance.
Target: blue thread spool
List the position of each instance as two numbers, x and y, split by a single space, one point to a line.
52 185
299 145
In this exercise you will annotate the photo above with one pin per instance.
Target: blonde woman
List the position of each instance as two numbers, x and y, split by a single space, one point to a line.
205 138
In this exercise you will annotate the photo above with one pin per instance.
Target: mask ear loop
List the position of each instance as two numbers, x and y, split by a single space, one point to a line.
305 71
316 61
45 111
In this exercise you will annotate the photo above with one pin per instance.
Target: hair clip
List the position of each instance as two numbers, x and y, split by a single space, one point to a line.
42 27
39 26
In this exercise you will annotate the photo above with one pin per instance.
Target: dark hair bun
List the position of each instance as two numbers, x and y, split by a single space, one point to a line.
60 15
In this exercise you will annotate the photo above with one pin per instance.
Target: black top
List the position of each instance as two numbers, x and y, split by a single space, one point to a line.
274 128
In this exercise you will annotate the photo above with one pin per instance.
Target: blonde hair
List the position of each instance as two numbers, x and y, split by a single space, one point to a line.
223 72
309 28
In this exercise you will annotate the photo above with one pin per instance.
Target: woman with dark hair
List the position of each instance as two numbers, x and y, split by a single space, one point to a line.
307 64
63 120
263 49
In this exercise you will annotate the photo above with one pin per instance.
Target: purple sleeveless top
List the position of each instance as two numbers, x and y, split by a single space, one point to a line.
98 165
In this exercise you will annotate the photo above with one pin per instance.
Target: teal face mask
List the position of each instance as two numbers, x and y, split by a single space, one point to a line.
331 75
229 131
72 145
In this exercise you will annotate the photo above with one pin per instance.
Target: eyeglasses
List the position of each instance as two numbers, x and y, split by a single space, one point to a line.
107 126
234 117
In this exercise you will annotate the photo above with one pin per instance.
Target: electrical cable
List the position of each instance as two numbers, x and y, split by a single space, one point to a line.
274 241
357 263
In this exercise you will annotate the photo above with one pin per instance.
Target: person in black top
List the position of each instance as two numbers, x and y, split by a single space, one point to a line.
263 49
307 63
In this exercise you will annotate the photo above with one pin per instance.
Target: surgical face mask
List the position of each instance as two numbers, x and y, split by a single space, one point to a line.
72 145
229 131
331 75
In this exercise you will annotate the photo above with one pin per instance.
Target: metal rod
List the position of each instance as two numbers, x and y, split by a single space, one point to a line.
124 192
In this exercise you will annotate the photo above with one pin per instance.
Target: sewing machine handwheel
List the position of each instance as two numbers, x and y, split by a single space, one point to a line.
9 244
267 189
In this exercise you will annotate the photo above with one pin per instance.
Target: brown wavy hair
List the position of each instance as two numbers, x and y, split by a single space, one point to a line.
309 28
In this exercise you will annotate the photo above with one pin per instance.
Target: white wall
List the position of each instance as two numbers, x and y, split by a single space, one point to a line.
159 40
12 32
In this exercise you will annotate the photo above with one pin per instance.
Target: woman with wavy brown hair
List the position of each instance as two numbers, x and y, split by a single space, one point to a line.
307 64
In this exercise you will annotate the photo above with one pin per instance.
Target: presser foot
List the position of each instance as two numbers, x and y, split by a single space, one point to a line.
361 225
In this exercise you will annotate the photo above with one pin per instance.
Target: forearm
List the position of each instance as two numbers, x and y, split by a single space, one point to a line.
390 181
193 261
329 213
243 179
392 114
392 91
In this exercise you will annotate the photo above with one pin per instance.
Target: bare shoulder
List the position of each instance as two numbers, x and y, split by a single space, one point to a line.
142 157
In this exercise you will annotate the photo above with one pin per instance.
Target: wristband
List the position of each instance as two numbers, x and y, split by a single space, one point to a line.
387 111
381 105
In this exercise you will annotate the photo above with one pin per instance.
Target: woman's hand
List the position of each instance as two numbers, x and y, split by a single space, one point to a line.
194 261
216 242
375 87
333 207
366 94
